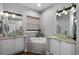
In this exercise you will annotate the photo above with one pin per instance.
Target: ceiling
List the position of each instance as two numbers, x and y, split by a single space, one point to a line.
34 6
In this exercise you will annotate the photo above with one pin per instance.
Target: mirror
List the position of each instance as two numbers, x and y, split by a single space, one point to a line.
63 24
66 24
15 25
12 25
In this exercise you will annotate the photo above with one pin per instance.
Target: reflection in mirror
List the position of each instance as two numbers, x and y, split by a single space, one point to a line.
12 26
15 25
63 24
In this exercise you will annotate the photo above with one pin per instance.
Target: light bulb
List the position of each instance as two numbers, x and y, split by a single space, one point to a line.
59 14
1 13
6 14
13 15
72 8
64 11
56 13
75 20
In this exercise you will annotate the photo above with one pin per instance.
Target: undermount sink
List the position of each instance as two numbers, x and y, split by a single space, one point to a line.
38 39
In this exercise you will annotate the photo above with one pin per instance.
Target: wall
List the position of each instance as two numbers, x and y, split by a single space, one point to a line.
48 18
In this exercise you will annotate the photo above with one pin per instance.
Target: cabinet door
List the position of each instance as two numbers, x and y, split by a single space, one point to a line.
67 48
8 46
19 44
55 47
0 47
11 46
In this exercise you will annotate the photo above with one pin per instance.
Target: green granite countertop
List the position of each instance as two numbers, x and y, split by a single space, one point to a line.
62 38
12 37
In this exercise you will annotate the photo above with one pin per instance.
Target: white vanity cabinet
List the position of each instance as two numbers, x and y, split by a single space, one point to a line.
58 47
7 46
67 48
0 47
11 46
19 44
54 47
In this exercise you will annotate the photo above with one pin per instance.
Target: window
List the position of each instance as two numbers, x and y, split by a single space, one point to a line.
32 23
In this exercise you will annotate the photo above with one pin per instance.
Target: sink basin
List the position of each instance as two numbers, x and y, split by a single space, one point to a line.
38 39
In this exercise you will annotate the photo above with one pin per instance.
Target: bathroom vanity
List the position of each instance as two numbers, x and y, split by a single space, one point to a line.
11 45
12 40
61 45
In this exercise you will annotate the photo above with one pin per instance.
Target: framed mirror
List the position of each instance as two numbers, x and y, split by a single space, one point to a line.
66 22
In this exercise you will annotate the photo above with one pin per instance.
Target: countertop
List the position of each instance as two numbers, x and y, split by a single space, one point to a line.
7 37
63 38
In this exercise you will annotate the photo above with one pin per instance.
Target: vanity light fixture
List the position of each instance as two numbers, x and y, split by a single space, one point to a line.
13 14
